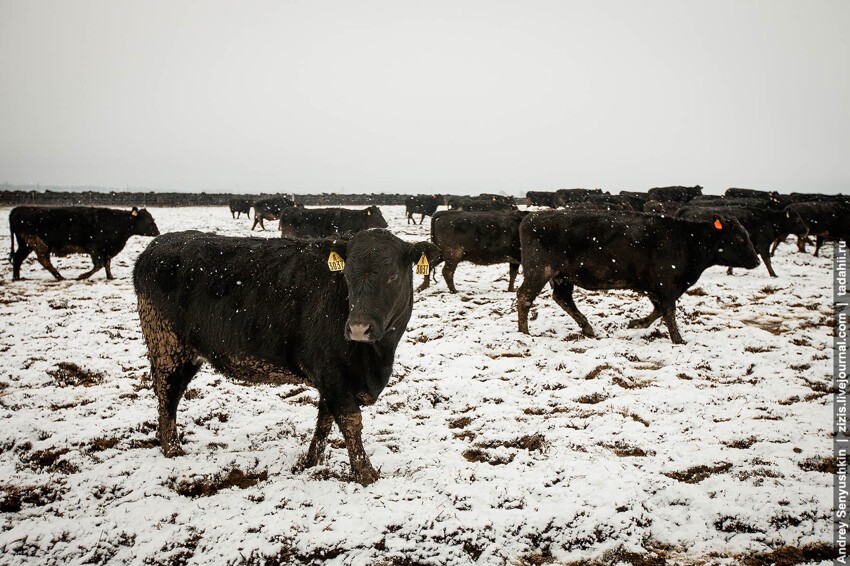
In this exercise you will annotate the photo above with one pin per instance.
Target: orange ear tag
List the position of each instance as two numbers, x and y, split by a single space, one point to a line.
717 224
335 263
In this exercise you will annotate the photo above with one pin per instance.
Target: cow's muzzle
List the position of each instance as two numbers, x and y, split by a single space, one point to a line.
361 331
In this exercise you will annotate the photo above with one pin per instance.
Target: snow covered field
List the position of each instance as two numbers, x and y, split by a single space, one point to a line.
493 446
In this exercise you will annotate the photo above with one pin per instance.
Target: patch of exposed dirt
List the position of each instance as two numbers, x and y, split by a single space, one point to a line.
591 399
597 370
823 464
698 473
624 450
478 455
69 374
205 486
50 460
13 498
741 444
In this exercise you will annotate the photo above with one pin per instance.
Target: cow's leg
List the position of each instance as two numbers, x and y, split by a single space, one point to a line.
351 426
421 219
562 292
43 257
107 264
669 317
233 214
648 319
801 244
256 221
449 274
532 284
776 243
410 217
172 369
765 256
818 244
18 258
97 264
346 412
316 452
513 269
426 282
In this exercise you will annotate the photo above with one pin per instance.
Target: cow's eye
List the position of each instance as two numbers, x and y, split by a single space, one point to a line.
393 277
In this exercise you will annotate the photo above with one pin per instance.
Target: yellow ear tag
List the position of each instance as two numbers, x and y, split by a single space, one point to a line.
718 224
335 263
787 214
134 213
368 213
422 266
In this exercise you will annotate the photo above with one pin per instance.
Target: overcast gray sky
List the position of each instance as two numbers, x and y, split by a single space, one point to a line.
428 96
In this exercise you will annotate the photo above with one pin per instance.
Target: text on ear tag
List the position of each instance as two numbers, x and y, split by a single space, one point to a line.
335 263
718 224
422 266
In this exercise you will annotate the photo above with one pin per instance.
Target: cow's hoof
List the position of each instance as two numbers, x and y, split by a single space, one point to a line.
173 451
366 475
305 462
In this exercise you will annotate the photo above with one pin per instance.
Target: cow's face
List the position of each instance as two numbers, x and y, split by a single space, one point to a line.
375 218
143 224
793 223
734 248
379 275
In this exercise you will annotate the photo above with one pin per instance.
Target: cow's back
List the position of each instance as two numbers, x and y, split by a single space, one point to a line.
248 297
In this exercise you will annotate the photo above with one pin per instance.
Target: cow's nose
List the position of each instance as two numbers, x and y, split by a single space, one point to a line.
359 332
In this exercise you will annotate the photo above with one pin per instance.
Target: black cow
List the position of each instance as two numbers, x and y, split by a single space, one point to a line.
100 232
482 238
426 205
563 196
738 202
677 193
752 193
597 205
763 225
656 255
270 209
478 204
667 207
271 311
540 198
826 219
323 222
240 205
637 199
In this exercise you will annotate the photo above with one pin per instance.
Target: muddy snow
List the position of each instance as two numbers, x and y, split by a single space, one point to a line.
493 446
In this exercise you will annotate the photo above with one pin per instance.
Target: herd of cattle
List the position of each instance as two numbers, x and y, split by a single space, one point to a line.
327 303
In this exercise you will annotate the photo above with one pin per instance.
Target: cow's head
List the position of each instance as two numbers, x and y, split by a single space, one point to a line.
733 246
143 224
374 217
379 275
792 223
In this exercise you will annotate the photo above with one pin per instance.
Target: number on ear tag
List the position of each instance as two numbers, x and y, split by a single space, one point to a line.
335 263
422 266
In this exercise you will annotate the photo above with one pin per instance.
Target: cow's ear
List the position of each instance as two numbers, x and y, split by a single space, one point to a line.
335 253
415 251
718 224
